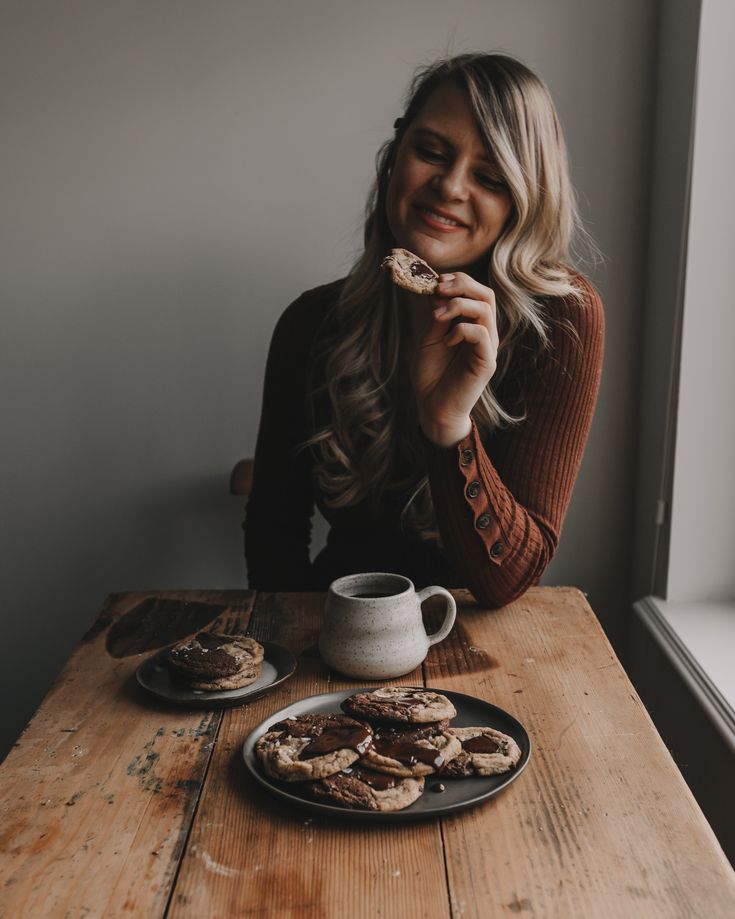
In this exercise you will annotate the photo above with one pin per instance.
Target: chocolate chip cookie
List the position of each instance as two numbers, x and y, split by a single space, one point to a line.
212 661
399 704
312 746
411 751
360 788
410 272
485 751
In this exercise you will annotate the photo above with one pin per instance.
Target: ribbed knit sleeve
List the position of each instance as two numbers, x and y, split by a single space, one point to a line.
500 505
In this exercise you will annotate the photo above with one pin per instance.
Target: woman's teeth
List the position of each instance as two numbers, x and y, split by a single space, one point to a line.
440 219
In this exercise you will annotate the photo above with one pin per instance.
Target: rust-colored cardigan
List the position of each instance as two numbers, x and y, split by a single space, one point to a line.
499 505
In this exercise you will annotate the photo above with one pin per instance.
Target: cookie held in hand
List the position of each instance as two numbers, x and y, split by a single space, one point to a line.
213 662
410 272
312 746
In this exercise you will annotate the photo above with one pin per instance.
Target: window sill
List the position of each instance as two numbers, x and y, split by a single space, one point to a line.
698 639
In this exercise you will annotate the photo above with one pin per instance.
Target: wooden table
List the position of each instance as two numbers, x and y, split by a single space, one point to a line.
116 805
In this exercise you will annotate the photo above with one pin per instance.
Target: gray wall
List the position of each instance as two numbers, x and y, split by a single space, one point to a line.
173 174
702 548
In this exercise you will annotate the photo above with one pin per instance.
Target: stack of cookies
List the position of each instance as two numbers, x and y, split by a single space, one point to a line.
213 662
377 755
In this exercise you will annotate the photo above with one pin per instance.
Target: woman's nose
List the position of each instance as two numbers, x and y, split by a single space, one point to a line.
452 182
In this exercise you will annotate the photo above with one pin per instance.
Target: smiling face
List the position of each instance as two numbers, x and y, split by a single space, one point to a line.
446 201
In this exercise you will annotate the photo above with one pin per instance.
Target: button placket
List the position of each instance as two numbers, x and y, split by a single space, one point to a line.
485 521
497 549
474 489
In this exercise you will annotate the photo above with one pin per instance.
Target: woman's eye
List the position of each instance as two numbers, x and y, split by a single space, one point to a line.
431 155
489 182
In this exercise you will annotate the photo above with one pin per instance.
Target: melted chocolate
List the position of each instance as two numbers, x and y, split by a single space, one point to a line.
210 642
421 271
357 738
210 654
409 698
407 752
377 780
480 744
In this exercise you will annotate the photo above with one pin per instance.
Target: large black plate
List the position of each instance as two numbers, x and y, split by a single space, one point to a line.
458 793
278 665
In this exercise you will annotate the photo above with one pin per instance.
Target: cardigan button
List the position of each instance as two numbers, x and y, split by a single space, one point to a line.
466 458
483 522
497 549
473 489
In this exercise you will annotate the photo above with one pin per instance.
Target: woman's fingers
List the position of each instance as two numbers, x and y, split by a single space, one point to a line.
475 335
466 297
477 313
470 309
464 285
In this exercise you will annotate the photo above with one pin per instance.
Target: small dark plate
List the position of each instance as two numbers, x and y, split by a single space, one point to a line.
278 665
458 793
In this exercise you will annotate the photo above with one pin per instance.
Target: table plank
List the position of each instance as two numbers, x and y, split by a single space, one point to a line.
601 823
250 854
101 788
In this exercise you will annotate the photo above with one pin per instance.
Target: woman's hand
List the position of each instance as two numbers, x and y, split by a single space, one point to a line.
454 362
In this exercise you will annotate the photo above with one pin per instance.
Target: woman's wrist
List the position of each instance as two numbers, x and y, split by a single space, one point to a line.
446 435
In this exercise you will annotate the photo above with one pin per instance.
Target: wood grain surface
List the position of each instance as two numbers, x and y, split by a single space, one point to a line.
114 805
601 823
99 792
251 854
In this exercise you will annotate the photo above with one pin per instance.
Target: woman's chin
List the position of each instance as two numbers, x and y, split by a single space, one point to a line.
432 251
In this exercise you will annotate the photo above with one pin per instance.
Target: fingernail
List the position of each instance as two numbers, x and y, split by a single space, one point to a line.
440 310
446 278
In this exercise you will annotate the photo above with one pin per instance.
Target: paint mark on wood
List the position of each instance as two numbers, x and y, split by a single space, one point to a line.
142 765
189 784
211 865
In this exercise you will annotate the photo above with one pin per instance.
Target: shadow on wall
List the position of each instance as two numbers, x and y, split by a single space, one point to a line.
184 533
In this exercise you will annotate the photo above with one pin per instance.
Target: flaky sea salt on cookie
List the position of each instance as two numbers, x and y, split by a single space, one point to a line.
360 788
410 272
485 751
400 704
312 746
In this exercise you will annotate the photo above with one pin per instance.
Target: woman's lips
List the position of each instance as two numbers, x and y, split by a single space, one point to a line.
437 225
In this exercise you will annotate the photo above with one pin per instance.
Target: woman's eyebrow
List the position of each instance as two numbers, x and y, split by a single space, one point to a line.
447 142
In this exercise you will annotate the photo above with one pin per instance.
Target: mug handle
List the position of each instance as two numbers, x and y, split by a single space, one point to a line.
449 616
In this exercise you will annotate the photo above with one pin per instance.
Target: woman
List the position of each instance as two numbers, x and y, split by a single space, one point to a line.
440 436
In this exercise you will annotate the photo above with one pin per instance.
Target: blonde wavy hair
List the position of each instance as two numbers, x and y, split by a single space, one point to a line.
370 443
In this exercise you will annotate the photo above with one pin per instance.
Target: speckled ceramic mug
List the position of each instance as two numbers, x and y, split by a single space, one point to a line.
373 628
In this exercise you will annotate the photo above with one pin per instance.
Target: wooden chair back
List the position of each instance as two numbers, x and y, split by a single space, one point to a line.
241 478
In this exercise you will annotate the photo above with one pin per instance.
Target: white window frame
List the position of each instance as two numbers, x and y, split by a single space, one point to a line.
687 588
